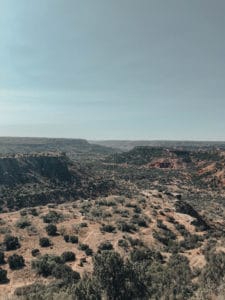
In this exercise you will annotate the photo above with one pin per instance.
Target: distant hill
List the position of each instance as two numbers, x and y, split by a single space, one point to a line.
139 155
160 157
74 148
202 167
126 145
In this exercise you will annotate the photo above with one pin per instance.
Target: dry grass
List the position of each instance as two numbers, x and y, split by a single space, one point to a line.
92 235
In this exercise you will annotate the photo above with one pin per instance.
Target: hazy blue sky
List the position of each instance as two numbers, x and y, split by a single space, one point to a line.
106 69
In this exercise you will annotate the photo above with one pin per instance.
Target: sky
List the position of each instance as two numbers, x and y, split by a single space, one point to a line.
121 69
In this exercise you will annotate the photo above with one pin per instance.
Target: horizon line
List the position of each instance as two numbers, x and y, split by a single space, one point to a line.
122 140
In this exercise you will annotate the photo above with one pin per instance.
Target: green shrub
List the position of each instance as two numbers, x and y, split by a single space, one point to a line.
51 230
73 239
124 213
105 246
2 257
108 228
66 238
52 217
11 243
82 261
123 243
87 289
120 199
126 227
66 273
106 202
84 224
214 271
23 213
145 254
3 276
191 241
23 223
131 205
106 214
170 219
140 221
96 213
181 228
33 212
5 230
166 237
35 252
68 256
137 210
16 262
118 279
161 225
51 265
88 251
135 242
178 278
109 271
44 242
45 264
30 292
83 247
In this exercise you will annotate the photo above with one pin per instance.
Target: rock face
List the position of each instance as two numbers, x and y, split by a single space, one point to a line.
138 156
185 208
33 168
39 179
